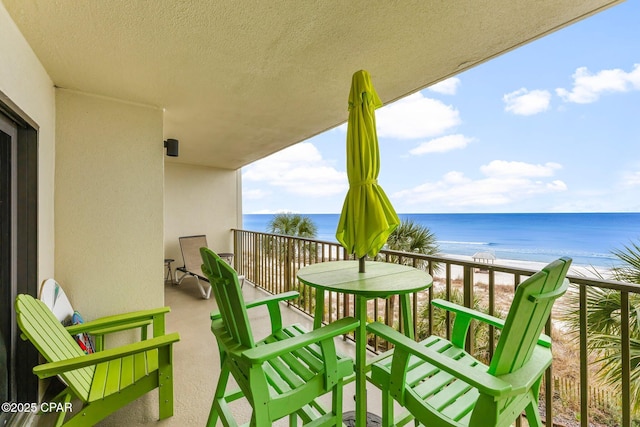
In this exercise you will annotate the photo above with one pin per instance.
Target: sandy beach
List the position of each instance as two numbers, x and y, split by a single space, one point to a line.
507 279
334 251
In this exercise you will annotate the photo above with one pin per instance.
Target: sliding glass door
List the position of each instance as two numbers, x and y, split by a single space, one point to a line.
18 251
8 262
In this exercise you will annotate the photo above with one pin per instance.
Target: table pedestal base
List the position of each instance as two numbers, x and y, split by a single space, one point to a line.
349 419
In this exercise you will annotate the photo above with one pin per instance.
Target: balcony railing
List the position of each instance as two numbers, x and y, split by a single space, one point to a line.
571 395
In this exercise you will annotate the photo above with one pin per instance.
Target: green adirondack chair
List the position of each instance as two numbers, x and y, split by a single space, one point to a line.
283 374
103 381
440 384
54 297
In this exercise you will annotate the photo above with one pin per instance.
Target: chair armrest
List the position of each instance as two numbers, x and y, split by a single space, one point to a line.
485 383
55 368
464 315
477 315
524 378
270 351
273 305
121 322
285 296
108 330
259 302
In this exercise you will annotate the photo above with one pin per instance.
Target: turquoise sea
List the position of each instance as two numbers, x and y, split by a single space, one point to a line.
588 238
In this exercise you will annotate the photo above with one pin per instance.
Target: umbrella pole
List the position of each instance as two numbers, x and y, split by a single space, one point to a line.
361 264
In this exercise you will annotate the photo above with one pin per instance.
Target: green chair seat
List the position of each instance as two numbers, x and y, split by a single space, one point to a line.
116 375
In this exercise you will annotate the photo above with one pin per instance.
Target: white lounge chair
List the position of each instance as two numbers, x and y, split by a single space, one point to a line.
190 247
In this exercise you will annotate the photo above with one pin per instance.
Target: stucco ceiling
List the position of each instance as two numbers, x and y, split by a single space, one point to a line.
240 79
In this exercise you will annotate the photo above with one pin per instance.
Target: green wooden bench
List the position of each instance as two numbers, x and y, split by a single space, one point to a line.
281 375
103 381
440 384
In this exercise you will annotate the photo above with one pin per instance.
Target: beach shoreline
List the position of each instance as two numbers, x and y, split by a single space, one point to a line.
334 252
588 238
507 278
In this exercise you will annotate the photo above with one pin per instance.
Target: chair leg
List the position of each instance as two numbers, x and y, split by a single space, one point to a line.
206 294
387 408
213 415
179 281
165 382
218 395
336 397
533 416
531 411
260 418
63 397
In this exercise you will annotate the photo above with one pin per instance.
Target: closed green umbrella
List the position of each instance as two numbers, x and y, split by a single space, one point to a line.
367 216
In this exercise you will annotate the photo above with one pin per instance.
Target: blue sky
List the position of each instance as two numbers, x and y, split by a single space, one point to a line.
553 126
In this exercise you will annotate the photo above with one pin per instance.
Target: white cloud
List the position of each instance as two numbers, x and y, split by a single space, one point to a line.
272 211
526 103
255 194
502 168
631 179
300 170
588 87
446 87
502 185
416 117
442 144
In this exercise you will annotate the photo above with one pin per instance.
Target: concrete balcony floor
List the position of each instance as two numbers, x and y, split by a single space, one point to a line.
196 361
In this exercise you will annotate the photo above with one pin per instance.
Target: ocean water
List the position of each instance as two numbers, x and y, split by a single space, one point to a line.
588 238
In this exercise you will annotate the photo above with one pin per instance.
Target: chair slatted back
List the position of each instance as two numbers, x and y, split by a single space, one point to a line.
226 289
190 247
53 342
528 315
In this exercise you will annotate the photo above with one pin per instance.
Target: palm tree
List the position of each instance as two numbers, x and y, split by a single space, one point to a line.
287 251
291 224
410 236
413 237
604 322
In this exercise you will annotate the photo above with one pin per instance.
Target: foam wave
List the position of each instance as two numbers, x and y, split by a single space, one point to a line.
454 242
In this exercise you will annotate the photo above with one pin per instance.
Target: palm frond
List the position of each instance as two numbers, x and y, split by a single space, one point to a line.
604 323
610 350
630 270
413 237
290 224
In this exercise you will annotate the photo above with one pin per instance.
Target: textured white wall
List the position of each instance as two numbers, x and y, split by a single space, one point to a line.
200 200
25 84
108 202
